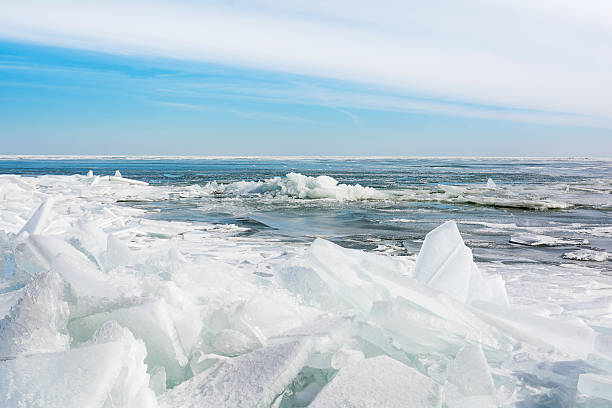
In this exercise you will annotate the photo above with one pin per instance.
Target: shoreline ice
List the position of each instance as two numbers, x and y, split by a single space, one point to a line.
119 308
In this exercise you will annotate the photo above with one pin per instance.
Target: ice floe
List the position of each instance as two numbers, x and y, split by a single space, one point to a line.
587 255
545 240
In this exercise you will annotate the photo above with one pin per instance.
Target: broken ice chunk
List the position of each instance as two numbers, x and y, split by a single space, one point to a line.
151 322
379 382
262 317
90 173
417 330
117 253
231 343
157 382
95 376
92 238
349 273
251 380
594 385
83 277
446 264
571 336
37 323
587 255
491 183
39 219
47 247
119 177
345 356
470 372
131 388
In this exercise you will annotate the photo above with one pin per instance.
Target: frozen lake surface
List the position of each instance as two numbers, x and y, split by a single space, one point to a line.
315 281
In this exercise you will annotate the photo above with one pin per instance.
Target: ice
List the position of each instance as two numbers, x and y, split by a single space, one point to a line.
108 372
379 382
251 380
151 322
345 276
157 381
545 240
572 336
508 196
118 174
90 173
587 255
92 238
305 187
39 220
281 323
491 183
345 356
117 253
131 388
470 372
357 278
597 386
47 247
37 322
83 277
232 343
262 317
442 327
446 264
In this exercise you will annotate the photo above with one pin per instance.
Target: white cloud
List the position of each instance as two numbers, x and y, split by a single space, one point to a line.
552 56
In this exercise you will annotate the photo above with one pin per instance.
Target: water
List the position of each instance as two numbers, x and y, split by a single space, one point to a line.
562 198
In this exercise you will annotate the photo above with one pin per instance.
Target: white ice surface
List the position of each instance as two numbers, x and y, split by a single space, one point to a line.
251 380
379 382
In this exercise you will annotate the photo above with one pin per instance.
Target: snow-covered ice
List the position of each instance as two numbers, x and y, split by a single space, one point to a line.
255 379
379 381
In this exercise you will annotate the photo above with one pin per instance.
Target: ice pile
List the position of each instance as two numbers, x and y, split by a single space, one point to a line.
587 255
545 240
106 308
493 195
300 186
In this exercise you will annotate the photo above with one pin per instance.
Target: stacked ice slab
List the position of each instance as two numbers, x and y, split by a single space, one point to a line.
106 308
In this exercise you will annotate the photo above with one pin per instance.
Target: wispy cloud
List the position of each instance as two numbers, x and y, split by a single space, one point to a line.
247 114
341 99
541 61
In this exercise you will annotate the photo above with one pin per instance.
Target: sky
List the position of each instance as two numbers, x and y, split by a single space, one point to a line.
318 77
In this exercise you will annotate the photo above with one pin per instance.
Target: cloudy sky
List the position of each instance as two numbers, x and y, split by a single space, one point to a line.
263 77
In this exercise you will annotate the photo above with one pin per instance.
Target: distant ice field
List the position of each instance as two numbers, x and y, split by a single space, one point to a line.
283 282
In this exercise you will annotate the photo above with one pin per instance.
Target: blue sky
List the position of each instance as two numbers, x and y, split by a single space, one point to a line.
319 78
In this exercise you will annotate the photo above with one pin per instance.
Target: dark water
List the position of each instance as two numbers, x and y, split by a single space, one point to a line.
568 199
